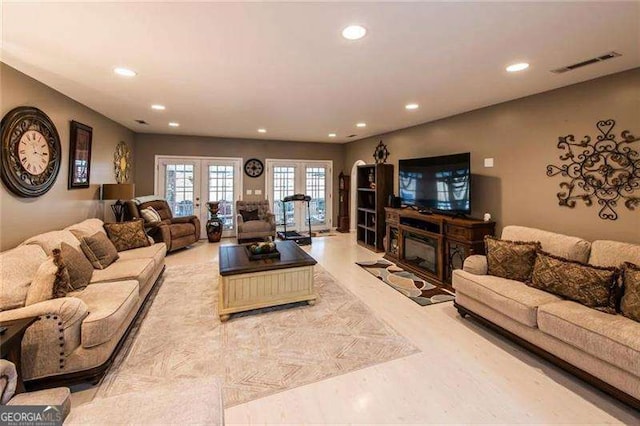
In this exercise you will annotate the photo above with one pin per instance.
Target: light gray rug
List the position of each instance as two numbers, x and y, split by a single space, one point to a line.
181 337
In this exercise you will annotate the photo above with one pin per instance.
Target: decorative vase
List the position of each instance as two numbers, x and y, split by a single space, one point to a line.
214 224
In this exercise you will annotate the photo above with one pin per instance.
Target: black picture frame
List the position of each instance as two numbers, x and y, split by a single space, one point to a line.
80 155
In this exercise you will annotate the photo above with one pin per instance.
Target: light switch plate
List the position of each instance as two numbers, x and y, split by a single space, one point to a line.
258 191
249 192
488 162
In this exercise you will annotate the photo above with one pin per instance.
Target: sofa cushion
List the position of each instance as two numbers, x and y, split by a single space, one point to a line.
51 240
613 253
513 260
573 248
150 215
99 250
249 215
41 287
593 286
86 228
127 235
18 266
611 338
140 270
109 306
512 298
157 252
256 226
181 230
630 304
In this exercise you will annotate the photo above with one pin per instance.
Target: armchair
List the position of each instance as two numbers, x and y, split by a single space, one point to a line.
175 232
262 228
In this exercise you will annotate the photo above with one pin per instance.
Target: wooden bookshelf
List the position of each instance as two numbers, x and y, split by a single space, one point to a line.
374 185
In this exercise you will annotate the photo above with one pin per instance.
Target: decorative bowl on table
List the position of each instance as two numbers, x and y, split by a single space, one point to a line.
259 251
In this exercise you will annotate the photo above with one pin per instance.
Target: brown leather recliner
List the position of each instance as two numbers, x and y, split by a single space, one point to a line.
175 232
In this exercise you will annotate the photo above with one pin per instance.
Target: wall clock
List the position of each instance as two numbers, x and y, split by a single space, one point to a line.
253 167
31 152
122 162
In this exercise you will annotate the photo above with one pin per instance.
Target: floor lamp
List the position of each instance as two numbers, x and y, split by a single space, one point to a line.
118 191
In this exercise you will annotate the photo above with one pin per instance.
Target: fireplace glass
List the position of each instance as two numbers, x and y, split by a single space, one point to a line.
421 252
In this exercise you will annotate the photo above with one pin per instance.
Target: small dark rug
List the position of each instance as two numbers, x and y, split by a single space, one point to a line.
415 288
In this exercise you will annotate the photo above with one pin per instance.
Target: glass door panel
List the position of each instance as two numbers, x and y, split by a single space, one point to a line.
180 187
316 188
284 178
223 185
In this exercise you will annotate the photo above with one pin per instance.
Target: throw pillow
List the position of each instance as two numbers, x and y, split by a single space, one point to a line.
99 250
127 235
78 266
150 215
510 259
41 287
630 304
592 286
248 215
61 284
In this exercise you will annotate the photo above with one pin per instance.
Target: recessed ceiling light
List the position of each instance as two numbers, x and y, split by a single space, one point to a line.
158 107
332 135
361 125
354 32
520 66
174 124
125 72
412 106
262 130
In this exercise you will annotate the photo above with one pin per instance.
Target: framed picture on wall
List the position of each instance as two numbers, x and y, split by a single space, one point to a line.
80 155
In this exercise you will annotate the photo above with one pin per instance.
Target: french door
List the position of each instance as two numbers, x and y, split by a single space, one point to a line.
313 178
188 183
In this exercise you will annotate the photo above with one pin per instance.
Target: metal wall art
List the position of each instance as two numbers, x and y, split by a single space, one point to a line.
381 153
605 170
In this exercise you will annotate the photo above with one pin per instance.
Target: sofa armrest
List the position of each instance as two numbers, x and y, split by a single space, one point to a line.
185 219
8 380
476 264
271 218
52 338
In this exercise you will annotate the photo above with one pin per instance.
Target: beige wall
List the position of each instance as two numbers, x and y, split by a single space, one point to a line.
23 217
521 136
150 145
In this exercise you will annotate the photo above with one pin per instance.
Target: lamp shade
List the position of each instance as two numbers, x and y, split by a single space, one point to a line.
118 191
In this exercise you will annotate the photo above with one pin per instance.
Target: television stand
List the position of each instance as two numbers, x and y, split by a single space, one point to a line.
433 245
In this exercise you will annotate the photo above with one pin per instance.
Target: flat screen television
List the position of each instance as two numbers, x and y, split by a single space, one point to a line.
437 184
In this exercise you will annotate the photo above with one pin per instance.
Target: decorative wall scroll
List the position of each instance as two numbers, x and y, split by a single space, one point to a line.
605 170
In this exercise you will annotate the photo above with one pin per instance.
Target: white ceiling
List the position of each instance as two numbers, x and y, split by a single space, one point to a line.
226 69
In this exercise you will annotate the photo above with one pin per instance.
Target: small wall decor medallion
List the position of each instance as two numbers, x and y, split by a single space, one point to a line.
122 163
606 170
381 153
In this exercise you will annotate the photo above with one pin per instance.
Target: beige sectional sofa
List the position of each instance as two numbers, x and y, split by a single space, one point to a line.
76 337
601 348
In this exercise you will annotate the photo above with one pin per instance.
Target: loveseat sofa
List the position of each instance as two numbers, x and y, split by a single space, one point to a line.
601 348
75 337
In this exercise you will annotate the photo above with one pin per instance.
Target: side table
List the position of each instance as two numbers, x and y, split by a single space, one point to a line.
11 344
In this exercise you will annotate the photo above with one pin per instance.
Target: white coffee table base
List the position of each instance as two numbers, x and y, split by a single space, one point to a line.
245 292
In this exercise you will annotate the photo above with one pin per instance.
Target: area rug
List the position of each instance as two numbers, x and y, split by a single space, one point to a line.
415 288
181 337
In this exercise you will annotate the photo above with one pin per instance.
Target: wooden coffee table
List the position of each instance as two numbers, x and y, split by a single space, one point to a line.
252 284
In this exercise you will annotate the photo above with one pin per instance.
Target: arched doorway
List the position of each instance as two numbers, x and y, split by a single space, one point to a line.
354 194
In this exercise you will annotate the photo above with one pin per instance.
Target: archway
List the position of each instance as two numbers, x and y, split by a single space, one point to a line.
354 193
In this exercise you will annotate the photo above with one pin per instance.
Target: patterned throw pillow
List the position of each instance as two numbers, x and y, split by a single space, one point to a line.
99 250
510 259
78 266
630 305
248 215
127 235
592 286
61 284
150 215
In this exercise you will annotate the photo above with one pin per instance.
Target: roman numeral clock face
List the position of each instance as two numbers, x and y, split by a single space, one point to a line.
31 152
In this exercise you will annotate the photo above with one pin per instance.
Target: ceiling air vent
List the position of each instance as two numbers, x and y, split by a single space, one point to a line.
604 57
352 136
142 122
